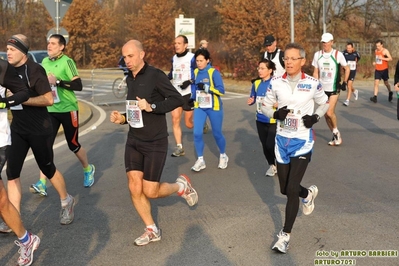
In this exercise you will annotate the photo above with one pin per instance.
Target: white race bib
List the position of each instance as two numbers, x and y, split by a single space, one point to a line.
134 115
352 65
259 100
54 91
204 99
291 122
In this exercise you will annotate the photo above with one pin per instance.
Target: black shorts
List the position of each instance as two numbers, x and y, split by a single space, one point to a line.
352 75
146 156
381 74
186 106
329 93
42 149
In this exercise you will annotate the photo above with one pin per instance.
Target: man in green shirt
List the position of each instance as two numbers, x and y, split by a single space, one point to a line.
64 80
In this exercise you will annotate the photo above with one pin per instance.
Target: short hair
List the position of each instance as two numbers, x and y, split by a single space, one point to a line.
379 41
269 64
185 40
204 53
350 43
296 46
60 38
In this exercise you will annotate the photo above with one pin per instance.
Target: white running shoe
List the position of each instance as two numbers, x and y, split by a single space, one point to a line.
282 243
223 160
308 207
346 103
356 94
188 193
199 165
26 251
147 237
336 139
271 171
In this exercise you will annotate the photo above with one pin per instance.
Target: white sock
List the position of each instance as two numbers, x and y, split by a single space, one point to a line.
201 158
64 202
180 146
335 130
153 228
181 188
223 155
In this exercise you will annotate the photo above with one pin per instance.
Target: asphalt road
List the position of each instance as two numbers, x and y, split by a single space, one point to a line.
240 211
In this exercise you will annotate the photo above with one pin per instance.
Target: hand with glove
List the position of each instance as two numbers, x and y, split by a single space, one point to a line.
3 103
191 103
201 86
185 84
343 86
281 113
310 120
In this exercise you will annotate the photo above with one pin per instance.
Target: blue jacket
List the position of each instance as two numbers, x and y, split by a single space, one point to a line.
212 78
259 88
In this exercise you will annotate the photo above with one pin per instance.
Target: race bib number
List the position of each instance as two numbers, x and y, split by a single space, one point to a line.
326 75
54 92
177 77
204 99
352 65
291 122
378 60
259 101
134 115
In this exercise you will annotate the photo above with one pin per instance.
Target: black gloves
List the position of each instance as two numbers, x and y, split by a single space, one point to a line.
281 113
201 86
3 103
310 120
185 84
343 86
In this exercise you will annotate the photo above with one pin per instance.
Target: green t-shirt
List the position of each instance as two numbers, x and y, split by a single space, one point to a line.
63 68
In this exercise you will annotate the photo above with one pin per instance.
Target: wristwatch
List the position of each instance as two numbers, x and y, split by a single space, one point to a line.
57 82
153 106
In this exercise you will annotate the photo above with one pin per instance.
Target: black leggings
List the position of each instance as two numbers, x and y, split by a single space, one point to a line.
290 177
267 136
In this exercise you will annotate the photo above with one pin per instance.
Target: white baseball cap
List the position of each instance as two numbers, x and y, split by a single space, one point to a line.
326 37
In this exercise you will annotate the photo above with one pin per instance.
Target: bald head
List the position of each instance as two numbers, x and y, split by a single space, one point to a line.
133 54
134 43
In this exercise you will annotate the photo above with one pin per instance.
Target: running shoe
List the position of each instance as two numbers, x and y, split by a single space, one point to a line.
199 165
88 180
39 188
67 215
356 94
336 139
147 237
282 243
188 193
206 128
271 171
26 251
4 228
373 99
390 96
346 103
178 152
223 160
308 207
